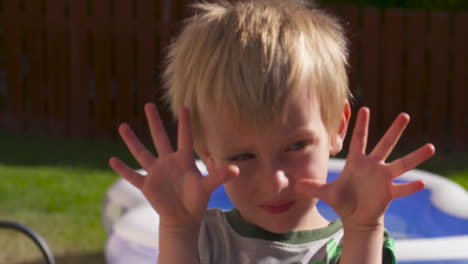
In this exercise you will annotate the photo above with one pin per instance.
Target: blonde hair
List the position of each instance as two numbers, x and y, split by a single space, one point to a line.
251 56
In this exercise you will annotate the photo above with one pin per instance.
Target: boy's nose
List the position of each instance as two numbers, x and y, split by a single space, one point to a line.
275 181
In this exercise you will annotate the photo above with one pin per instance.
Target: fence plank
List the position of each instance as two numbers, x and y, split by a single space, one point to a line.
166 18
438 78
178 9
166 28
371 72
435 91
459 114
187 8
146 60
57 67
102 103
333 10
14 113
124 59
79 106
392 66
35 116
351 19
415 76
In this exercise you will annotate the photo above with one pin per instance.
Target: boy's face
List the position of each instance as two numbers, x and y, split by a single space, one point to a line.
271 160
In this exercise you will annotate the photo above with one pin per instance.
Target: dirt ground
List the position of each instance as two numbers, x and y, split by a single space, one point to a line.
91 258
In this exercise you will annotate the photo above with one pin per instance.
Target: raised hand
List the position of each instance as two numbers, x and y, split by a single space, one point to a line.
174 186
365 188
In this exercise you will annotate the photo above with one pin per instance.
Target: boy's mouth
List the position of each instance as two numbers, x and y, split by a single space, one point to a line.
278 207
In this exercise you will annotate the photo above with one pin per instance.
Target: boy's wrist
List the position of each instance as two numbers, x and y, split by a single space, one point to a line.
174 240
368 226
362 243
186 229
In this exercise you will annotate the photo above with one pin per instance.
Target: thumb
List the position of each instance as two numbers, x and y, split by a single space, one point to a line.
219 176
312 188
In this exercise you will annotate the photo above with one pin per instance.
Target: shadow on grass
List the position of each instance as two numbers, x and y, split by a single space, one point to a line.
89 258
24 149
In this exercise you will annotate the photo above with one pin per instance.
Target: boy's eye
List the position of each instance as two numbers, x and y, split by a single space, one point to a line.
242 157
296 146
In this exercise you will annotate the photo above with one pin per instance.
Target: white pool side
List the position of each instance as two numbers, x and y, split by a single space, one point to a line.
447 195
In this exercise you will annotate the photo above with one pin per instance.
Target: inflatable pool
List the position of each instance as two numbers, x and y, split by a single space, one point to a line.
430 226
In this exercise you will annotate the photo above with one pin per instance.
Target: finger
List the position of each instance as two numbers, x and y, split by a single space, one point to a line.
184 138
359 139
411 160
391 137
158 132
312 188
126 172
404 189
138 150
219 176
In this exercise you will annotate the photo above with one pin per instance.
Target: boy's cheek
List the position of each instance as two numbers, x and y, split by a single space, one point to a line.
242 177
236 190
243 181
315 170
308 165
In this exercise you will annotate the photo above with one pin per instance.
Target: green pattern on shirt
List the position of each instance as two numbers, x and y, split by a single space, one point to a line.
333 251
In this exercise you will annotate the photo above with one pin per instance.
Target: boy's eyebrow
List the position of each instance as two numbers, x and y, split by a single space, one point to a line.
234 149
231 148
304 132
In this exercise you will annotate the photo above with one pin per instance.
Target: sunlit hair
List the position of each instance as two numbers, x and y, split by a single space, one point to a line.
252 56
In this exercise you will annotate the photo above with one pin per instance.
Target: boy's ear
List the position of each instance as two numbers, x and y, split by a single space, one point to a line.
336 139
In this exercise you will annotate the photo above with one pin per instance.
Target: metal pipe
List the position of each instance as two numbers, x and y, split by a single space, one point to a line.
38 240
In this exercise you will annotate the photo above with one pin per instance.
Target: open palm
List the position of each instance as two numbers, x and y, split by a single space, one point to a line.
365 188
173 186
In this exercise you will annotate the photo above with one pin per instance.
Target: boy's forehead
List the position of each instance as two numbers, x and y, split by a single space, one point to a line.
223 117
224 134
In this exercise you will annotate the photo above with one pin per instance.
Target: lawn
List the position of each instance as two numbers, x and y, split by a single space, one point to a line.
56 186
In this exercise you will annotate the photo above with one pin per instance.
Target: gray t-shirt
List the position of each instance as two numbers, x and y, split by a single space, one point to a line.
226 238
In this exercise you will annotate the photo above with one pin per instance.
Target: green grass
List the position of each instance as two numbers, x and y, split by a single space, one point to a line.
453 166
57 186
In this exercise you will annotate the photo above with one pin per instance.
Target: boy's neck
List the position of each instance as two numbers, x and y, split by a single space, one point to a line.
322 229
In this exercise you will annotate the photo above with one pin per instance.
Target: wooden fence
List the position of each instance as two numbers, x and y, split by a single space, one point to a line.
78 68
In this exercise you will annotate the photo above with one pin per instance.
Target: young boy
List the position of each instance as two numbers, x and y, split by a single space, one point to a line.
263 85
